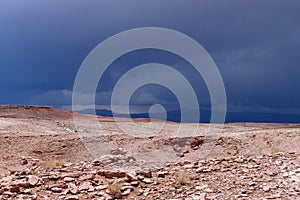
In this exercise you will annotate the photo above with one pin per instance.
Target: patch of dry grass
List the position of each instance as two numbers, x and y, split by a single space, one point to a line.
183 179
115 188
51 164
275 150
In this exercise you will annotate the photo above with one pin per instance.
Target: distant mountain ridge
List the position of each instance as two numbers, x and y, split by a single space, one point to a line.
205 116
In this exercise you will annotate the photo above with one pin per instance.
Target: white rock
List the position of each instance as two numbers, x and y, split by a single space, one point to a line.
73 188
72 198
56 189
203 196
33 180
126 192
266 189
68 179
147 180
84 186
101 187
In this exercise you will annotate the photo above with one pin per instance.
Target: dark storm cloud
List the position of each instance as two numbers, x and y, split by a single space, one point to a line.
255 44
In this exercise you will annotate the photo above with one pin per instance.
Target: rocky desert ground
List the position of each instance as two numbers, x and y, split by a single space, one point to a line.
44 155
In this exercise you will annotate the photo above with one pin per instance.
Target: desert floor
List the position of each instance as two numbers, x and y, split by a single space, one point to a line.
52 154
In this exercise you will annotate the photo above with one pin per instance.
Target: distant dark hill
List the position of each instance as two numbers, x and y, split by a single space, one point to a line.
205 116
262 117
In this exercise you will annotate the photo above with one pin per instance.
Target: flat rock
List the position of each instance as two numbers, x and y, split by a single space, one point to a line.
73 188
114 174
72 198
85 186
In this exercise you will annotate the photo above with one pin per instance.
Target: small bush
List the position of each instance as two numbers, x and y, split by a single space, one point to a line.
275 150
51 164
115 188
183 179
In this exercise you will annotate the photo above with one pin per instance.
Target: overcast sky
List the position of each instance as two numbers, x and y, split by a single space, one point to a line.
255 44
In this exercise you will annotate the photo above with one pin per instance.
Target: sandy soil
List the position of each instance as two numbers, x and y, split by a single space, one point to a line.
48 133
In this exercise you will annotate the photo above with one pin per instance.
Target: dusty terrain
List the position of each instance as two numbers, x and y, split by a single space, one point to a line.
45 156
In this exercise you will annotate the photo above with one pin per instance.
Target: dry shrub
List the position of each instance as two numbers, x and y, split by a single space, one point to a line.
115 188
183 179
51 164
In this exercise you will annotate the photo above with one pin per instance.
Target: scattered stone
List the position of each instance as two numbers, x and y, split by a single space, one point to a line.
56 189
27 191
101 187
162 174
118 151
131 176
96 162
274 196
86 177
68 179
24 161
73 188
72 198
247 177
134 183
197 141
8 193
201 187
126 192
203 196
20 183
85 186
266 188
33 180
285 175
54 177
146 174
14 188
200 169
114 174
147 180
208 190
127 187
